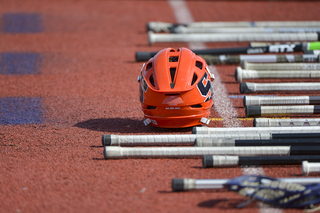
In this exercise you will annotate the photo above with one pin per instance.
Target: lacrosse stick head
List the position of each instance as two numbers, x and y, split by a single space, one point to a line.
176 89
275 192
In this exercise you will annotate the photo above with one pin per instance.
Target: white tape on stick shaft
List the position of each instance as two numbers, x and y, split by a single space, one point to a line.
225 37
280 66
164 27
266 122
209 130
281 100
186 139
261 74
185 29
263 87
287 110
114 152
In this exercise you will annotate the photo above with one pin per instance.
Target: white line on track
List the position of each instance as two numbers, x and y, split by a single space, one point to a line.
222 102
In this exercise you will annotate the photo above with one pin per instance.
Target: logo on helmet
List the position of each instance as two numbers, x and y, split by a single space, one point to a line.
205 87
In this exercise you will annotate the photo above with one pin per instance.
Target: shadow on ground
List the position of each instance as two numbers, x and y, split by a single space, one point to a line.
125 125
225 203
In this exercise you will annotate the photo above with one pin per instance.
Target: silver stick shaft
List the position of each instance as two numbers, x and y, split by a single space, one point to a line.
280 66
116 152
266 122
225 37
210 130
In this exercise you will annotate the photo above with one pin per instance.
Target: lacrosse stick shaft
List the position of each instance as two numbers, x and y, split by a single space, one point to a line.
165 27
116 152
207 142
184 29
232 161
280 66
183 139
210 130
305 47
254 111
308 167
228 37
241 74
280 100
237 59
246 87
266 122
190 184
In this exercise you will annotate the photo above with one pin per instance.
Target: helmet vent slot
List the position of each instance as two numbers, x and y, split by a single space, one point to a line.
199 64
151 80
173 59
194 79
173 73
151 107
172 94
149 66
196 106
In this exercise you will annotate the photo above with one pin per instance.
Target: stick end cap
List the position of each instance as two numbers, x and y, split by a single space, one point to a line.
106 140
207 161
177 185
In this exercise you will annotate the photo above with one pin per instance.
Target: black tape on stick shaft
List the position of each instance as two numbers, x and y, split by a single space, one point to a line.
244 88
278 160
314 100
316 109
280 142
252 111
305 150
295 135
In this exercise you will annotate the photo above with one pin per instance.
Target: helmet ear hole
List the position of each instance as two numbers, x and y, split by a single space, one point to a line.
149 66
151 80
194 78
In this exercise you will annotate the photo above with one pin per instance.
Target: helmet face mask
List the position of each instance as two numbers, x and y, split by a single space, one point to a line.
175 89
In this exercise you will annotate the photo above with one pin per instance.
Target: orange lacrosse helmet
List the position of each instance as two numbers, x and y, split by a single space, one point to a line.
176 89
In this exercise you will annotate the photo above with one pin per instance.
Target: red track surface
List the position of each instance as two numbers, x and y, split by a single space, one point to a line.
88 87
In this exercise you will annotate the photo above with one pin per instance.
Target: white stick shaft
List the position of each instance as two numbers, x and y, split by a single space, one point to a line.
256 24
261 87
113 152
261 74
210 130
279 110
186 139
266 122
280 66
310 168
281 100
225 37
162 26
189 184
184 29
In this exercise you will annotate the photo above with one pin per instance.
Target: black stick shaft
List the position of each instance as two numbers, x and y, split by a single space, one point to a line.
145 56
280 142
295 135
305 150
278 160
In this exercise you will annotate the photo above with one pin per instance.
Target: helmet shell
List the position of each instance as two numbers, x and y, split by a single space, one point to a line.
175 89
